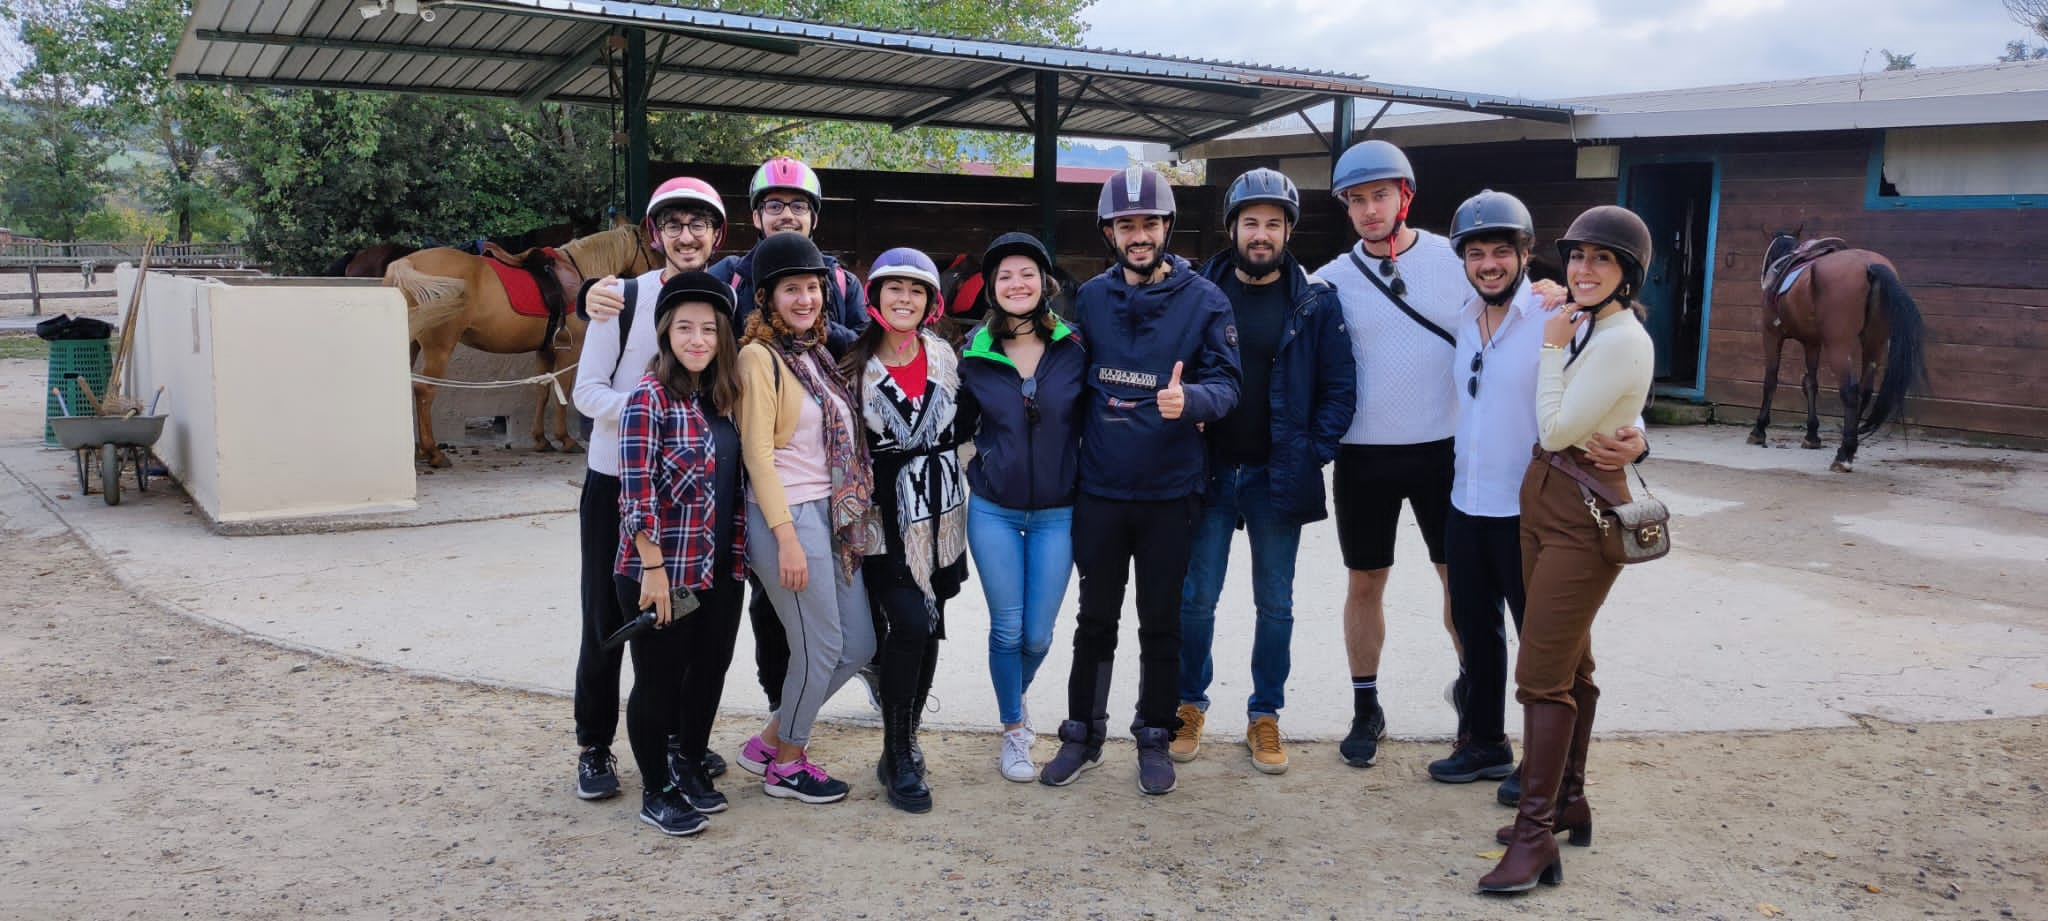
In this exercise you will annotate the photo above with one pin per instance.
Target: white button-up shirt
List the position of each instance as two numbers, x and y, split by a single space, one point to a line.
1498 425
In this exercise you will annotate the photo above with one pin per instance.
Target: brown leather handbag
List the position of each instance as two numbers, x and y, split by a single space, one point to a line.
1630 532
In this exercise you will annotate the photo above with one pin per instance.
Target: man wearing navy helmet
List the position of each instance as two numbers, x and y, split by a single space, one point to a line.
1266 456
1162 360
1402 288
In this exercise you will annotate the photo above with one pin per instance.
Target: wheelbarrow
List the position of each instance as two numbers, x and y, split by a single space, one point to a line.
104 444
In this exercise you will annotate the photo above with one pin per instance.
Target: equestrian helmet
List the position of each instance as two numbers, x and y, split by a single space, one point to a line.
1371 161
785 173
1615 228
1262 186
907 263
693 287
786 253
1014 243
1135 191
684 191
1491 212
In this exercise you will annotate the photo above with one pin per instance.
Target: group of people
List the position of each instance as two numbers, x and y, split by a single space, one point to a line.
768 419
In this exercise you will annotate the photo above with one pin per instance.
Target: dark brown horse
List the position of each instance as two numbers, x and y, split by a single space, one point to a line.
1848 307
453 297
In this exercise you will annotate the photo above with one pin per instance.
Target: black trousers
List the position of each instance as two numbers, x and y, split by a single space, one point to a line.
597 671
678 676
1483 557
904 629
771 643
1112 538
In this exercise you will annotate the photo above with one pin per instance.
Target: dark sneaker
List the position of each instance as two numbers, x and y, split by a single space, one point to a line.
1510 792
871 678
1080 750
1362 747
1155 763
697 789
669 813
1470 761
597 775
802 781
714 765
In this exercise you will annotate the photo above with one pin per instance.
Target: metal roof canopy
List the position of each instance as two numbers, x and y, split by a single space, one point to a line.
709 61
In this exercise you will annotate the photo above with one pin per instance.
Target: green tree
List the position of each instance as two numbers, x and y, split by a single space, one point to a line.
1897 61
53 169
2033 14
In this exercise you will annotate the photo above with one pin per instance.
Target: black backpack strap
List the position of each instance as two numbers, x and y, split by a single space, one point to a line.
1419 319
632 294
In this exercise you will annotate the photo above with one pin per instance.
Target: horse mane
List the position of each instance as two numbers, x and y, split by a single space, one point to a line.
618 251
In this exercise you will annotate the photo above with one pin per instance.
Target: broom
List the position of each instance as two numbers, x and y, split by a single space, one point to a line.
116 403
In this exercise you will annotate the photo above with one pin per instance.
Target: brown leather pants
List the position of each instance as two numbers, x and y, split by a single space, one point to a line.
1565 580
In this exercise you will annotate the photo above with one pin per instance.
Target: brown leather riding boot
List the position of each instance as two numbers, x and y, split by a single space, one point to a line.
1574 814
1532 847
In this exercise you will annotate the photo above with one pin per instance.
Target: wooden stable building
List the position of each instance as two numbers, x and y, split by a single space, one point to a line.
1944 171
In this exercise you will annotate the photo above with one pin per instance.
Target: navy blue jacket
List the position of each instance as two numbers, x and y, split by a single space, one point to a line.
846 301
1022 463
1314 390
1135 335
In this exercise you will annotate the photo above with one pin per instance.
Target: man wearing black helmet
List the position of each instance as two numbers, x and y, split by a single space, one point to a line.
1500 338
1266 455
1401 288
1162 359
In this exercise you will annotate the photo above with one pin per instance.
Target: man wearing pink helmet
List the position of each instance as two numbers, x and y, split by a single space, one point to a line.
685 223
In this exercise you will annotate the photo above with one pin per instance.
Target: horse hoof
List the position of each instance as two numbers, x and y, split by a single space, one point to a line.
1839 467
1810 444
544 447
571 447
1757 439
441 462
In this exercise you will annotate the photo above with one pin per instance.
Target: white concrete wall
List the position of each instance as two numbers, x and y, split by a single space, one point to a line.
288 398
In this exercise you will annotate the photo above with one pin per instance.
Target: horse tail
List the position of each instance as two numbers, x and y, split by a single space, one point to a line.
1905 369
434 299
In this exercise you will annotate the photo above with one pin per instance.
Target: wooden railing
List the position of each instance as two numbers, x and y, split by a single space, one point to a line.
20 256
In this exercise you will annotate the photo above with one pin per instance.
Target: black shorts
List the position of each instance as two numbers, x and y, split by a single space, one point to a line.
1370 483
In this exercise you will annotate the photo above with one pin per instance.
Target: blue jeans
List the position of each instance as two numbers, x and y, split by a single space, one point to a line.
1240 492
1024 560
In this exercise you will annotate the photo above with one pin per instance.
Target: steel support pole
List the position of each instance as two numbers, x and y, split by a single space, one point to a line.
1045 156
1341 122
635 110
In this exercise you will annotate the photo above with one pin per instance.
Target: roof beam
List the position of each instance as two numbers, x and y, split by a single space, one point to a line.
346 44
565 70
1177 133
1294 105
957 101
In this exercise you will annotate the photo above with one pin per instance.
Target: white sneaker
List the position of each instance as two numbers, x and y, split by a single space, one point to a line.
1017 764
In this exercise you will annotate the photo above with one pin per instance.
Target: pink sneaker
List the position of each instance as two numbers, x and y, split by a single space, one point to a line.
755 755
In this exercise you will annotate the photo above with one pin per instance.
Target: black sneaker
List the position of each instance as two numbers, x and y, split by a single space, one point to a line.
597 775
695 787
669 813
1362 747
1155 763
802 781
1470 761
714 764
1080 749
1510 792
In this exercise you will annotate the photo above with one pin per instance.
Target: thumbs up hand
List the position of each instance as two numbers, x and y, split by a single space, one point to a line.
1172 400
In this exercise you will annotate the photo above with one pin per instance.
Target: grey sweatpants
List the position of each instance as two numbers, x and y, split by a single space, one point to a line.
830 632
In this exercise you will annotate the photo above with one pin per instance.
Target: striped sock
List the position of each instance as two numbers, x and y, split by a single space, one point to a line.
1365 693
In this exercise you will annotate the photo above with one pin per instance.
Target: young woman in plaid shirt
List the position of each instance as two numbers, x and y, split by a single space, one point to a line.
682 541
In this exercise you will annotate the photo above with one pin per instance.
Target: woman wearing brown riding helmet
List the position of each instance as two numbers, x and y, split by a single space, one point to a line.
1593 377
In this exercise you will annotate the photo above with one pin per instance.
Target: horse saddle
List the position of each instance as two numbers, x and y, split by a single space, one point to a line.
521 274
1786 269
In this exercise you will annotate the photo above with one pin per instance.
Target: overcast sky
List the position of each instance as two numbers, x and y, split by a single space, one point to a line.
1552 48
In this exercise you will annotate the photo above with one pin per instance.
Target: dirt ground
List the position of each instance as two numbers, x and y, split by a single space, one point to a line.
58 281
159 769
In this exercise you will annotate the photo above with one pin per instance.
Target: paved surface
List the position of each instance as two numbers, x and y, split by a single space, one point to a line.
1911 590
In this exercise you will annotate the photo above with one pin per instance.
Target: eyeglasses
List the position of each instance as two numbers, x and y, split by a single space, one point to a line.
776 206
1478 365
1030 391
675 228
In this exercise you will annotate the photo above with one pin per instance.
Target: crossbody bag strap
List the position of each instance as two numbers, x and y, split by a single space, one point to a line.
1419 319
632 295
1586 481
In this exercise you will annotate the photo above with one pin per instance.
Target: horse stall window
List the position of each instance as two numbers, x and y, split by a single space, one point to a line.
1965 166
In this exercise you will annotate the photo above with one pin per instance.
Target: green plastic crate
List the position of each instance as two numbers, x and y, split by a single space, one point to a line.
90 359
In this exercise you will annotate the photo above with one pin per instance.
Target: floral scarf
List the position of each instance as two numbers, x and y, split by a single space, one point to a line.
846 451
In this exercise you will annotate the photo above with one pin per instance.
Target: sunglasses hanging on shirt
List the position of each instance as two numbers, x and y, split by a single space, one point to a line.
1391 271
1030 391
1478 365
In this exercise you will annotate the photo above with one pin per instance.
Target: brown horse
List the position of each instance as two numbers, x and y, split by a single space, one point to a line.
453 297
374 260
1849 307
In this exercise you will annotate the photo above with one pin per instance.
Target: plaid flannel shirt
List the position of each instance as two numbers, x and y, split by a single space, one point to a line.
666 468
